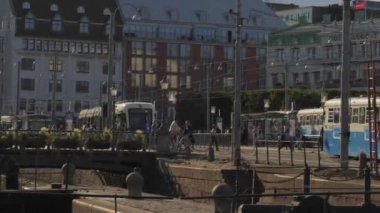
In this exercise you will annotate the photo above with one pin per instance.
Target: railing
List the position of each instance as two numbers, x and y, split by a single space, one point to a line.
302 145
204 139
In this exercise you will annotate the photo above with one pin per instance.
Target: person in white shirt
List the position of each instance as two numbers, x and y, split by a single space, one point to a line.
174 132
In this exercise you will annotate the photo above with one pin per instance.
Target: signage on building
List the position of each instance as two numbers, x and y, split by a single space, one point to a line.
365 5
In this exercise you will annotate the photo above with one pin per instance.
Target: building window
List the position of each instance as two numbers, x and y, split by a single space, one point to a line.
31 105
311 53
84 25
172 65
329 52
150 80
105 69
58 86
30 21
137 48
172 50
38 45
27 84
295 53
185 66
185 50
137 64
28 64
279 55
77 106
65 46
23 104
58 105
83 66
85 47
207 51
30 44
173 81
150 64
136 79
92 48
57 23
82 86
229 53
150 48
58 65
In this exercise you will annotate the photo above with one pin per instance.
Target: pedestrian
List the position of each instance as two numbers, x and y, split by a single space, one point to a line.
214 139
284 140
174 132
153 131
255 142
189 133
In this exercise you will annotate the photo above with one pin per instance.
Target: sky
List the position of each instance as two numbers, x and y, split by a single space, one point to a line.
303 3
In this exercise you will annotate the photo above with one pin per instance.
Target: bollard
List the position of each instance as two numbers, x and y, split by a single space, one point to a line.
367 188
306 180
68 173
210 154
362 164
222 205
135 183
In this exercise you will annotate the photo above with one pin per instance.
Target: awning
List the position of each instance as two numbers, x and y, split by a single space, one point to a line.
82 113
90 113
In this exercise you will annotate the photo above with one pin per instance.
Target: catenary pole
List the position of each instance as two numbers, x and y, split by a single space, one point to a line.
345 86
237 103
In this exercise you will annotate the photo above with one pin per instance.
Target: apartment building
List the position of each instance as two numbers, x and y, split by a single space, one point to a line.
309 56
185 43
61 44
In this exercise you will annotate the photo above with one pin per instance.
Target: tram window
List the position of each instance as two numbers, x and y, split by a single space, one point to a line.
362 115
336 115
315 120
355 115
330 115
307 120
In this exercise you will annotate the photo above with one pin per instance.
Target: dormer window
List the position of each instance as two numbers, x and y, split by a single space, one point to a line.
84 25
54 8
26 5
30 21
57 23
201 16
80 10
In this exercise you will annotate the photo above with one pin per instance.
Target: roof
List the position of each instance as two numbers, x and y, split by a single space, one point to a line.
68 9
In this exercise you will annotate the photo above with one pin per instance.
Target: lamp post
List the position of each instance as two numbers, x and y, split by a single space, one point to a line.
266 126
164 86
110 67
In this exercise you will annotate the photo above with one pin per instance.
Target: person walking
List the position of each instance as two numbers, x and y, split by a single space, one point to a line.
214 139
174 133
189 133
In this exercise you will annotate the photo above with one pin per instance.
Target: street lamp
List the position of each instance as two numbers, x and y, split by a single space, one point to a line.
266 126
164 86
113 94
110 66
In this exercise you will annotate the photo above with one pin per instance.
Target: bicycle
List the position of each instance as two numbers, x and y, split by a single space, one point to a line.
183 144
